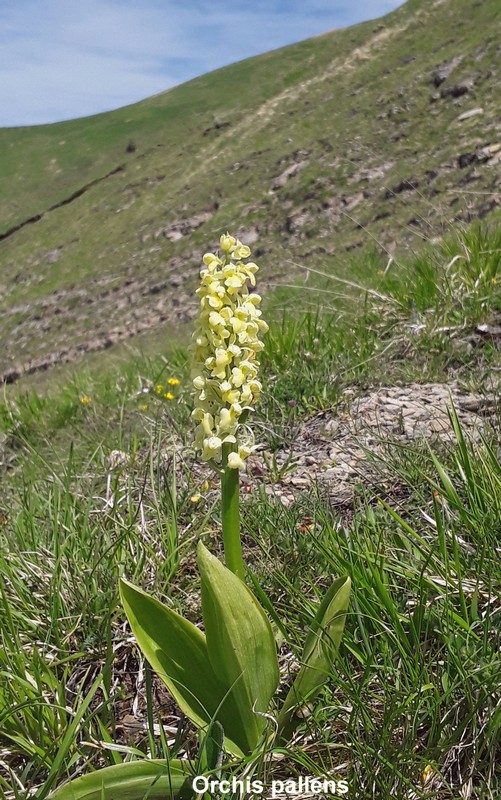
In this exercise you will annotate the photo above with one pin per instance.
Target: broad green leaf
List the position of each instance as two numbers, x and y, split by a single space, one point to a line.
177 651
135 780
240 643
321 645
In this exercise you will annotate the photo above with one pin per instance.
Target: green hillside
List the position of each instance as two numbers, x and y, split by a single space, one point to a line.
363 169
355 140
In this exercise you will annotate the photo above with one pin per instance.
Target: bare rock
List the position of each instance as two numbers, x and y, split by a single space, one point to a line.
297 220
53 256
373 173
458 89
249 235
474 112
402 186
489 151
287 174
480 155
354 200
444 70
339 451
178 228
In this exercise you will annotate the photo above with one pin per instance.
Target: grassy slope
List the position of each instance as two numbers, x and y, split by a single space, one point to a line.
340 103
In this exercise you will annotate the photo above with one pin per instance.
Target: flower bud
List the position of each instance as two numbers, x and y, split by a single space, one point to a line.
227 242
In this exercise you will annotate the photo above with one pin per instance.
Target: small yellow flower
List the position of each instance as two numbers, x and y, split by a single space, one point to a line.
173 381
195 498
159 388
169 396
235 461
494 281
85 399
427 775
241 250
143 406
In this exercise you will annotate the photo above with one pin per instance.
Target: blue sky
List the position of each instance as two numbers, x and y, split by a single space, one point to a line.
61 59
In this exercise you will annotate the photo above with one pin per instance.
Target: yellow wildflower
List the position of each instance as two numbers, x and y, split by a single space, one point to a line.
427 775
159 388
226 341
85 399
173 381
168 396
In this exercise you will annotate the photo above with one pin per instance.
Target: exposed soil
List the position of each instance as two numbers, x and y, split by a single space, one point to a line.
348 449
343 451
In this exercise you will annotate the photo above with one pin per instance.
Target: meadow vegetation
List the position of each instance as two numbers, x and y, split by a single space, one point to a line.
348 160
100 480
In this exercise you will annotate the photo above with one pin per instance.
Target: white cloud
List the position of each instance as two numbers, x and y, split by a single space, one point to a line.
66 58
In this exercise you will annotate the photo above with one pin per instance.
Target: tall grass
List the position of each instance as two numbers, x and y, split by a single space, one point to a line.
415 709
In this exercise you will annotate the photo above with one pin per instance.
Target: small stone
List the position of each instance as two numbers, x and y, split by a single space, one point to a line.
289 173
443 72
439 425
300 483
474 112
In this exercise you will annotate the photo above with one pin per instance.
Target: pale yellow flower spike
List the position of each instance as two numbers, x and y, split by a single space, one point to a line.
225 344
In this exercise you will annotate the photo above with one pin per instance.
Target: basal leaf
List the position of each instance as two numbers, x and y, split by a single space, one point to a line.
177 651
320 648
134 780
240 642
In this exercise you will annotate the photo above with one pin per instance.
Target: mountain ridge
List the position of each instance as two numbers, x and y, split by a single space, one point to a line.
380 136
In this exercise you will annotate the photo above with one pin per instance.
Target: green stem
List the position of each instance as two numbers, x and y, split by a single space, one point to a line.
230 515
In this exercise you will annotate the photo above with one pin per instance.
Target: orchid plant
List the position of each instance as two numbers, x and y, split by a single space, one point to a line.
225 376
225 678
